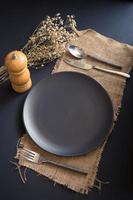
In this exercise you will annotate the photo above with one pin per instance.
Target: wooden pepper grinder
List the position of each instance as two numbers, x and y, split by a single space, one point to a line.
19 75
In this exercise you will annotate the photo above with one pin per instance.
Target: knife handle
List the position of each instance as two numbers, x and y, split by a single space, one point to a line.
126 75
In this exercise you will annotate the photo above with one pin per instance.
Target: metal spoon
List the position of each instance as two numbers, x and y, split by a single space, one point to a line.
79 53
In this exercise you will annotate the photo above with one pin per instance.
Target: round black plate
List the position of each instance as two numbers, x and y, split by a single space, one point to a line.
68 114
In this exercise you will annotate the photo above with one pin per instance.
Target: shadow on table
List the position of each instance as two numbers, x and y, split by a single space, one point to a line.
11 103
116 165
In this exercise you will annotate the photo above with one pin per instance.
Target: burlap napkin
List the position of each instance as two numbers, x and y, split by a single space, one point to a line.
108 49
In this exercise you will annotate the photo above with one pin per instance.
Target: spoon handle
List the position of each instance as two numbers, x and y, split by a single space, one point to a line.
105 61
113 72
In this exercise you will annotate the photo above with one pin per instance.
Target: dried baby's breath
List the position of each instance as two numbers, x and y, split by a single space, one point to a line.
49 40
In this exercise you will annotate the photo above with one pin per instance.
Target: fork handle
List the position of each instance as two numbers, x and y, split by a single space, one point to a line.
113 72
65 166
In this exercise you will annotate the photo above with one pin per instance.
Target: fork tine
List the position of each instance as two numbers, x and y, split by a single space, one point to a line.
29 151
26 158
26 154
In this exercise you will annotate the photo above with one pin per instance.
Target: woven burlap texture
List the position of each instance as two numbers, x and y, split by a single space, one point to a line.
114 52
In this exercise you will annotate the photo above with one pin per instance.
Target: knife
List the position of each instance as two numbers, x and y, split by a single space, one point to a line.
86 66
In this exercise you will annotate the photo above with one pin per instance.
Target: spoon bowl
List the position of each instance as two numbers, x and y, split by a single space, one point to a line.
76 51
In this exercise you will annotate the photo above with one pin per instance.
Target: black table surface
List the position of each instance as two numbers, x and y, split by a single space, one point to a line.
113 18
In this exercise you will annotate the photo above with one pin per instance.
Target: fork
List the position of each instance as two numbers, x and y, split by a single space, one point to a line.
35 157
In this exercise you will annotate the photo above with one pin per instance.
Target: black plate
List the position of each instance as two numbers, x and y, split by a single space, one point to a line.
68 114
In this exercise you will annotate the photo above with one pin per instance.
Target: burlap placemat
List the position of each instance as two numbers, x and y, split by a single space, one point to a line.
112 51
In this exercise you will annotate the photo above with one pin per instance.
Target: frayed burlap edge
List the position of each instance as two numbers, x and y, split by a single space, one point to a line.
83 190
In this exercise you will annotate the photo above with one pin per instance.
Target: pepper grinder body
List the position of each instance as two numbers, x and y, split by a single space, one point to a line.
19 75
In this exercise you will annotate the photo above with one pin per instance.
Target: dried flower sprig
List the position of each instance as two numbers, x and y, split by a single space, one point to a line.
49 40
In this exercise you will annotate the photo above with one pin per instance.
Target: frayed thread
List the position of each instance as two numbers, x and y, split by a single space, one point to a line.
98 185
23 175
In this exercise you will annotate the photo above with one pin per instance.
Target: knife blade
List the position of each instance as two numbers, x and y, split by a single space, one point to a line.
78 64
